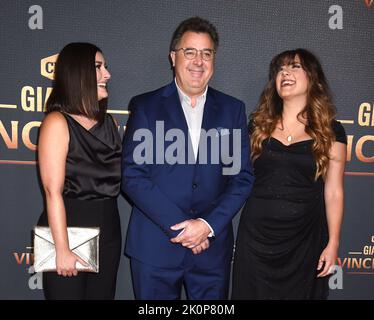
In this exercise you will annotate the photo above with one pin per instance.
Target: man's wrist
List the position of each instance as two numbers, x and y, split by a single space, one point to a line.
211 234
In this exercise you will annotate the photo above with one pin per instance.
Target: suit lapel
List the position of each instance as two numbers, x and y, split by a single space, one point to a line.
210 112
174 112
173 108
209 120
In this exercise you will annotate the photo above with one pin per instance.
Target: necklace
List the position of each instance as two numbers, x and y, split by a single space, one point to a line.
289 137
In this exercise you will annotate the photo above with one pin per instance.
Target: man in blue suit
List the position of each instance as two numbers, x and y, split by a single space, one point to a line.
186 169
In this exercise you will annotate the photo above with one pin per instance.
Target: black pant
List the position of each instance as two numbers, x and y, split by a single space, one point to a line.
102 285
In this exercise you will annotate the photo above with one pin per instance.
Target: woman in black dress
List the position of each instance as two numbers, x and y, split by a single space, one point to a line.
289 230
79 155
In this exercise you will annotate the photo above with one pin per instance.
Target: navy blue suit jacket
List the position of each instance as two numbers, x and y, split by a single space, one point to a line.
166 194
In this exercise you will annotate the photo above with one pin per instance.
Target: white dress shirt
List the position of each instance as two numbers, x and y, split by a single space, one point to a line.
194 119
193 115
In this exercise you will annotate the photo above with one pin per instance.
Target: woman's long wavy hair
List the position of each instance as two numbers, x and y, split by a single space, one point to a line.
318 113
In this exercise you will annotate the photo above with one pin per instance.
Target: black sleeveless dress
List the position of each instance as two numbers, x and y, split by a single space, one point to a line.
92 184
283 227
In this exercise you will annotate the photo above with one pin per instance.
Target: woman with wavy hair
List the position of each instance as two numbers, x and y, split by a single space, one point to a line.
289 230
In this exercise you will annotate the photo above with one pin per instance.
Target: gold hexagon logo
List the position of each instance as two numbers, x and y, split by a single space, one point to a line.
47 66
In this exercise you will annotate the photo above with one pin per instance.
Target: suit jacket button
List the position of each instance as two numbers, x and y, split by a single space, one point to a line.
194 186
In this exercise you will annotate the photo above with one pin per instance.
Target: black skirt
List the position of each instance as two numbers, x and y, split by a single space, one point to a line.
89 213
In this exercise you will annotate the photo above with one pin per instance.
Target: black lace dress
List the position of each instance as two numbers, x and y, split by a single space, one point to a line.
283 226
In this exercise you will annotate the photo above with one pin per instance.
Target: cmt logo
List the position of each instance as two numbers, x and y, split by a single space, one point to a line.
47 66
368 3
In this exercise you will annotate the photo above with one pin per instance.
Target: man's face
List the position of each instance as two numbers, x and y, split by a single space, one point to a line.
193 75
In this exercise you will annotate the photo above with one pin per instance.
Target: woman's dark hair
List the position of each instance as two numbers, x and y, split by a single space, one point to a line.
194 24
75 86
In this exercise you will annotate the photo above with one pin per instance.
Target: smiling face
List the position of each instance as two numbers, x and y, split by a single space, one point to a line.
102 76
292 80
193 75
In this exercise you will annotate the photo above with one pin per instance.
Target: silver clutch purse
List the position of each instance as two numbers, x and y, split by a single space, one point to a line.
84 242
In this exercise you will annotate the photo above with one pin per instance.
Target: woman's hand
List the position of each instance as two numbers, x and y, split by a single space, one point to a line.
66 263
327 259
